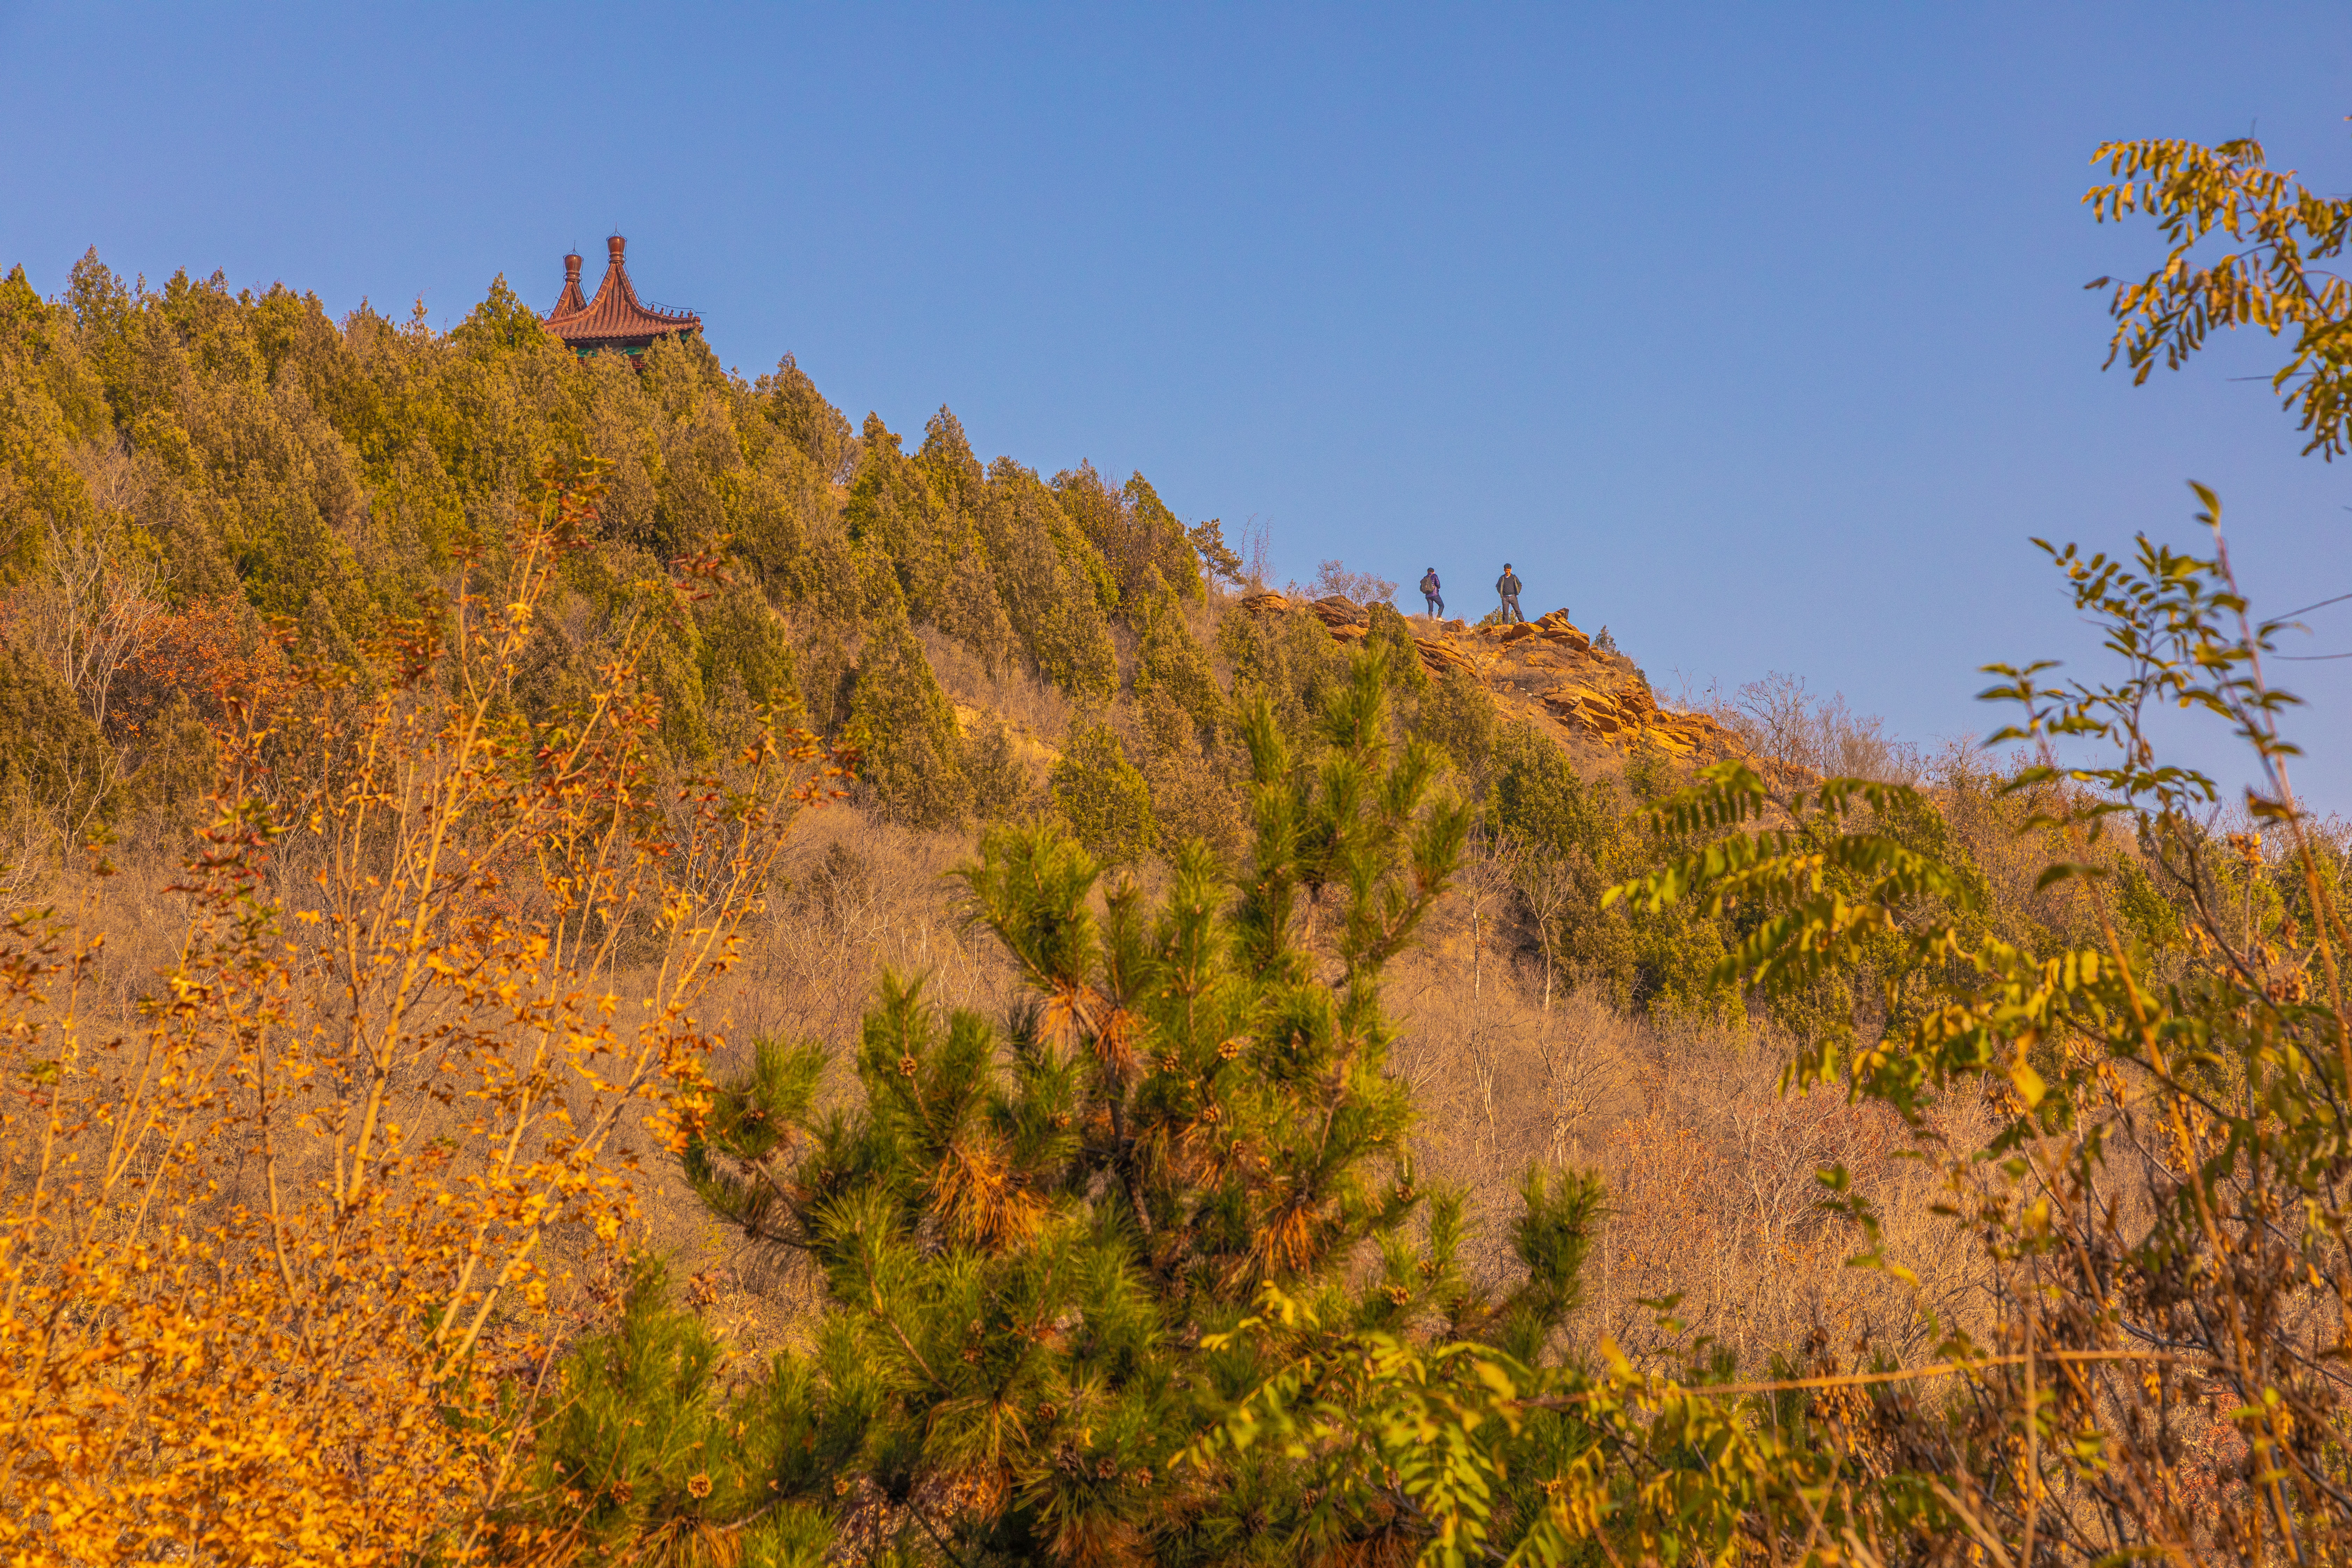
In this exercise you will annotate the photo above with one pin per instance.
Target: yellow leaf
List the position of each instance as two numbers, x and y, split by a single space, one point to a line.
2029 1083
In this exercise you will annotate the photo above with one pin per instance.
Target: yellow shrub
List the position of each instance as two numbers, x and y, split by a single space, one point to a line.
276 1254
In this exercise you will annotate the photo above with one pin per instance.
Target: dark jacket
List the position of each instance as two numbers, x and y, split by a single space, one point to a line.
1429 583
1507 584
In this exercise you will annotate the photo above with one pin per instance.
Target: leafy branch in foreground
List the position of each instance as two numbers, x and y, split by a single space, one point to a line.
2281 231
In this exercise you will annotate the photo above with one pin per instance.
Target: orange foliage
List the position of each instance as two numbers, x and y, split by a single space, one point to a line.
276 1262
214 655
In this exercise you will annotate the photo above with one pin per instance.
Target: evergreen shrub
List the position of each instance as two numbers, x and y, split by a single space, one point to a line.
1103 797
910 753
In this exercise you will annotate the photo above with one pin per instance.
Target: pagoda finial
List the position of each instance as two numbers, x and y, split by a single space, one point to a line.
569 303
614 247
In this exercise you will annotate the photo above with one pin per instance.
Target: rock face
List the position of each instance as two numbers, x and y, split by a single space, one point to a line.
1545 671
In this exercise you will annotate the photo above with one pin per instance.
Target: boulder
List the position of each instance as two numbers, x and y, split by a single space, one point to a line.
1439 657
1336 611
1574 695
1671 741
1556 628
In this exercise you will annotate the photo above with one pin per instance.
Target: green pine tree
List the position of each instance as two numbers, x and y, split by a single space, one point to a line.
745 643
800 412
1391 639
1137 534
1288 660
1169 657
941 565
1192 796
644 1452
1056 588
1175 552
1037 1237
910 753
54 763
1458 716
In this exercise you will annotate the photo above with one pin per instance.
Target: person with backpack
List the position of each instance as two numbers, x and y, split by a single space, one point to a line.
1508 586
1431 592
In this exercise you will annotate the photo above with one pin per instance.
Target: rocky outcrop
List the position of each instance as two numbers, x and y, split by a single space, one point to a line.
1546 671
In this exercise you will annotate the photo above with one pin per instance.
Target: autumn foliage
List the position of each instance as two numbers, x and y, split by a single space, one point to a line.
1130 1240
280 1253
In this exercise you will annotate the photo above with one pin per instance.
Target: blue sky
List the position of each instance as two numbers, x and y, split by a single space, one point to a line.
1756 333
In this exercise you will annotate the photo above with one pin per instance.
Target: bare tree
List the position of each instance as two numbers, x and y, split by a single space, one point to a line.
1333 577
1582 1052
1781 721
1485 887
92 609
1258 552
1548 885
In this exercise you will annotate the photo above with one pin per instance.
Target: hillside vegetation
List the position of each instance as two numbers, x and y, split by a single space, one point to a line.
608 967
210 492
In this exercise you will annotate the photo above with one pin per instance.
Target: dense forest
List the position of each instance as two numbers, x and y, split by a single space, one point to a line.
1296 1102
209 491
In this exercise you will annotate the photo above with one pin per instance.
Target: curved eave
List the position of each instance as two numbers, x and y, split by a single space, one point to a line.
625 341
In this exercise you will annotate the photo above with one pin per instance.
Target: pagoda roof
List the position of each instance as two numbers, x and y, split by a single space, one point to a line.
615 315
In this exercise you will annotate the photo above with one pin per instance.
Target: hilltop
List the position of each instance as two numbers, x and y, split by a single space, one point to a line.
1544 672
705 982
1595 705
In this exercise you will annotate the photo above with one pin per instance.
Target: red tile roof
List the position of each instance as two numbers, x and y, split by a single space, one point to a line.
613 316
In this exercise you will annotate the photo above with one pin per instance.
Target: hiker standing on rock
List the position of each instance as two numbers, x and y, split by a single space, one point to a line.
1430 590
1508 586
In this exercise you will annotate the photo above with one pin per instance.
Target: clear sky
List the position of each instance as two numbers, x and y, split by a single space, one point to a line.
1755 331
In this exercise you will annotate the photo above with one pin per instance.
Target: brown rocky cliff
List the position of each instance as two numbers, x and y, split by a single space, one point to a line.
1544 672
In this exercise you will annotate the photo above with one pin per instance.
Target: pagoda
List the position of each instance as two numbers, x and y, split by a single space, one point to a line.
614 321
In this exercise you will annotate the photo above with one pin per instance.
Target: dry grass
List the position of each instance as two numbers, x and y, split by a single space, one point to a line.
1711 1171
856 896
1016 697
